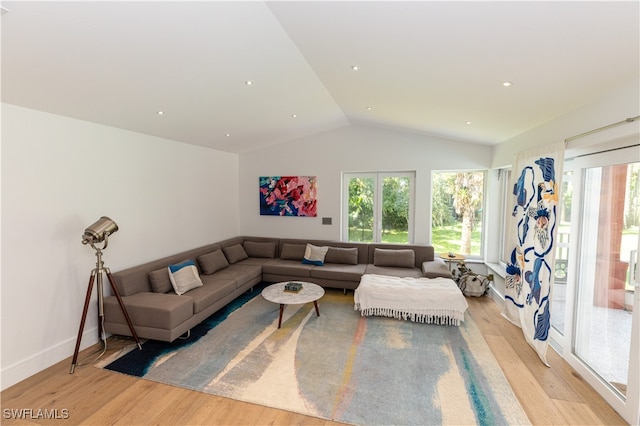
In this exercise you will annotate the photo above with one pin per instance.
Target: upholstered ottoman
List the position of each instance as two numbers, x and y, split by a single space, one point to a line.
426 300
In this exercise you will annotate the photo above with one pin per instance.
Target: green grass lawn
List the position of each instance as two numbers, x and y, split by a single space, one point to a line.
444 238
359 235
447 238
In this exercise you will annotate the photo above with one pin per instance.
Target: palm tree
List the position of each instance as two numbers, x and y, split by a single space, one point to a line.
467 199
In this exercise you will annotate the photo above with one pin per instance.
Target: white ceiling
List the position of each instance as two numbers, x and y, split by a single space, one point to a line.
425 67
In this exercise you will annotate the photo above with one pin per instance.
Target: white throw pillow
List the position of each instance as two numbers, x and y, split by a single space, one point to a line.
184 277
314 255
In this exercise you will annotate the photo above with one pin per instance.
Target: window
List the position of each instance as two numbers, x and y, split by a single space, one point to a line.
506 195
377 207
456 212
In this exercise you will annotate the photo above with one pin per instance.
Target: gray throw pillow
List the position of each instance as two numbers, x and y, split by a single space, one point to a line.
346 255
160 282
260 249
436 269
212 262
235 253
293 251
405 258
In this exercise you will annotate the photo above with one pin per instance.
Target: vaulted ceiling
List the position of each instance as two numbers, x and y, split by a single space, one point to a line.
236 76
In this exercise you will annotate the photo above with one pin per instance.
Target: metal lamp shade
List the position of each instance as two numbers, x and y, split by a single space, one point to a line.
99 230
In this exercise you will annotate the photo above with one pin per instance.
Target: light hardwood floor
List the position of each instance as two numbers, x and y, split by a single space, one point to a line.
556 395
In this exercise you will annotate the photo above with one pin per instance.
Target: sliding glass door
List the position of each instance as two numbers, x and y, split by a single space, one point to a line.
606 329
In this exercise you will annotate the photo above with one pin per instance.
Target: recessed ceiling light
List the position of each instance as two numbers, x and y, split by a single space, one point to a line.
227 134
248 82
507 83
369 108
355 67
160 112
294 115
468 122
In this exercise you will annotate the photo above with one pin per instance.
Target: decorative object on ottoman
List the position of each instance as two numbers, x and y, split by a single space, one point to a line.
427 300
471 283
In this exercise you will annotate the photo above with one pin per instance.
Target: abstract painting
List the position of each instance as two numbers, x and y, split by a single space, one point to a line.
288 196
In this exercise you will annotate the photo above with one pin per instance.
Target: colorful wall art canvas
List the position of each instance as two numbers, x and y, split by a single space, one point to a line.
537 178
288 196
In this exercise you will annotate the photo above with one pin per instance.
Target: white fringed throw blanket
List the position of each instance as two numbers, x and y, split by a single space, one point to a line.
426 300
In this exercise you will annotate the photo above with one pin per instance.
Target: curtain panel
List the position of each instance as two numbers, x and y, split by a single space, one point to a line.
532 232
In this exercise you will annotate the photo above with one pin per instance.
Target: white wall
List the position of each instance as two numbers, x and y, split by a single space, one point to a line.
349 149
59 175
618 104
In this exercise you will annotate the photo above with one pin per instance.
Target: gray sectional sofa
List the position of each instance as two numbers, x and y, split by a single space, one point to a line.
231 267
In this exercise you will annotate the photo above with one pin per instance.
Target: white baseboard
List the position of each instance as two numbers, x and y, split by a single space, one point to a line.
495 295
23 369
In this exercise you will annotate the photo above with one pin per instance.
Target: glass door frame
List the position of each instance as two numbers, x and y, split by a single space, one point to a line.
628 407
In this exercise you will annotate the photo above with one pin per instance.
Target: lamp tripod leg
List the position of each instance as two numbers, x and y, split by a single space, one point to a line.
82 321
124 309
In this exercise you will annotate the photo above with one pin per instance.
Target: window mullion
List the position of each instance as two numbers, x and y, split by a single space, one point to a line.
377 213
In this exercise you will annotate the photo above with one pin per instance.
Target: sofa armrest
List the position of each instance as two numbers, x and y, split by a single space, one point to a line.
436 268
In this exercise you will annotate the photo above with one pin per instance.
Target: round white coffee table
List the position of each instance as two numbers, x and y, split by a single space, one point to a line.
310 292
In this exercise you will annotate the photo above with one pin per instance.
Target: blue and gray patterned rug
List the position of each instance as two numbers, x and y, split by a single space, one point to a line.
338 366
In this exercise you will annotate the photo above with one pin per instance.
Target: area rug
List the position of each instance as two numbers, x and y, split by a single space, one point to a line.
339 366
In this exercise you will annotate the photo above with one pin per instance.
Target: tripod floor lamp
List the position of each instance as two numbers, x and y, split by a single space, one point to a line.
95 234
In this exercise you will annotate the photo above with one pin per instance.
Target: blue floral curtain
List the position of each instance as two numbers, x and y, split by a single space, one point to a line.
537 178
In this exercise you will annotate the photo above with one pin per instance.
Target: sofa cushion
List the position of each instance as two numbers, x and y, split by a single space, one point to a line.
258 261
292 251
287 267
212 262
435 269
241 273
159 280
346 255
314 255
393 271
394 258
184 277
339 272
213 290
260 249
146 309
235 253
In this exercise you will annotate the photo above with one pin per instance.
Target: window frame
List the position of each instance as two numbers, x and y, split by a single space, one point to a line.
483 208
377 203
504 179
